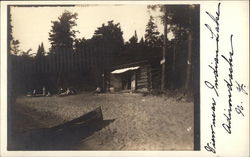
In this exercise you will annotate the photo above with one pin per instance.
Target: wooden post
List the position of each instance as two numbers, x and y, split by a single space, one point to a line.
164 50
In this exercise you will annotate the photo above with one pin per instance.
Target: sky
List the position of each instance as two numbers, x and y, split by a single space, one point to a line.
31 25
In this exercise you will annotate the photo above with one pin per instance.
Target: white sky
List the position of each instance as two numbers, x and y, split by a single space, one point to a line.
31 25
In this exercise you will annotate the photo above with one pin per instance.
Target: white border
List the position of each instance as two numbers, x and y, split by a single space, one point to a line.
99 153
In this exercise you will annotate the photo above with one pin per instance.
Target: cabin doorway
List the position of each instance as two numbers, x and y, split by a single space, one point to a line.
124 79
128 81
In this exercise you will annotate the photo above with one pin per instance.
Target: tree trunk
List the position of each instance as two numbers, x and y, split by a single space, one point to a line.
173 75
189 56
164 51
189 62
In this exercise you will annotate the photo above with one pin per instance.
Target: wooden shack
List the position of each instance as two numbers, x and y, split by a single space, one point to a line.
129 77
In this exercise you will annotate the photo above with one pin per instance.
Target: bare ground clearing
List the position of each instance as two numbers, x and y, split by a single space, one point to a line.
141 122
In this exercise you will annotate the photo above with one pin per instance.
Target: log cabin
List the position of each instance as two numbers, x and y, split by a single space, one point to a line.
132 77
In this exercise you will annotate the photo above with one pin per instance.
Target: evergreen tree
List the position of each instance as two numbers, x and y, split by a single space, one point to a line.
183 22
79 44
152 34
10 34
15 47
134 39
110 35
141 41
40 51
61 34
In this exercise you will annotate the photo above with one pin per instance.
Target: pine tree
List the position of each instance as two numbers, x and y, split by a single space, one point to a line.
134 39
61 34
110 34
152 34
141 41
40 51
110 37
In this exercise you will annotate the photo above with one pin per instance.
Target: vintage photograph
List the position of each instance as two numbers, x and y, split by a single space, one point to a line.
103 77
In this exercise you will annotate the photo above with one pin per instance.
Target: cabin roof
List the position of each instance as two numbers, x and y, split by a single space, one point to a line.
128 65
118 71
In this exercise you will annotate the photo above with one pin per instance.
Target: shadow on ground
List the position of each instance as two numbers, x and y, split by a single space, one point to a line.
64 136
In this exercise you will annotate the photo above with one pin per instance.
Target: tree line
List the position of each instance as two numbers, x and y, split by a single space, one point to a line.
180 20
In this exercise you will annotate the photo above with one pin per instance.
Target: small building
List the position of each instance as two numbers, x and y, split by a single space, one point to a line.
129 77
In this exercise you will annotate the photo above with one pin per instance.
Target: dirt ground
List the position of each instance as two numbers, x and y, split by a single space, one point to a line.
140 122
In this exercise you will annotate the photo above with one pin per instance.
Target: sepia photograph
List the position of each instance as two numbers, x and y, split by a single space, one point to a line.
103 77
